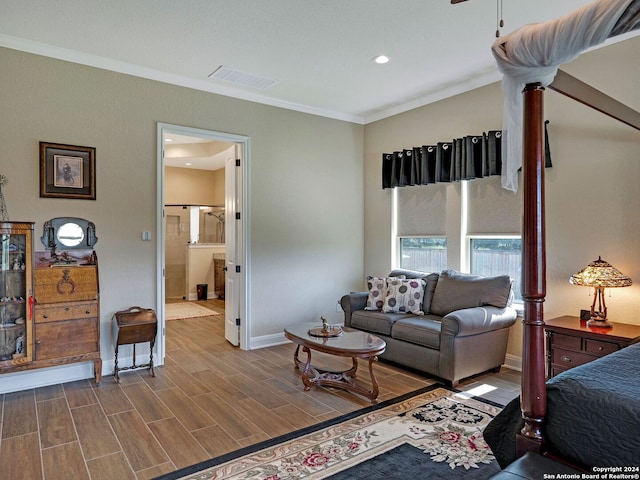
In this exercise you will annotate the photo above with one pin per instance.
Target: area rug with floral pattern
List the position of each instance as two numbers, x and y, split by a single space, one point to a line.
431 433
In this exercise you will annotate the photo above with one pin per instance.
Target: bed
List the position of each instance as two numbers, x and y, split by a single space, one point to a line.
547 418
592 418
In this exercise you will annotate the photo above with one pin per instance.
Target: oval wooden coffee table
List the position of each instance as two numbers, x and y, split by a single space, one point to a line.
350 343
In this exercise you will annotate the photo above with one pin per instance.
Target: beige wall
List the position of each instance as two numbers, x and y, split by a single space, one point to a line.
187 186
218 187
310 212
592 200
305 189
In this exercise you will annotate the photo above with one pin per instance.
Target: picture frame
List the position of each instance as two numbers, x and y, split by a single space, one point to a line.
67 171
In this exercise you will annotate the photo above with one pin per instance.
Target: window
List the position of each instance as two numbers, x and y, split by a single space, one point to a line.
426 254
498 256
458 226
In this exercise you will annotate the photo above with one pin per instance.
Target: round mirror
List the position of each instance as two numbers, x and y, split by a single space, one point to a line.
70 234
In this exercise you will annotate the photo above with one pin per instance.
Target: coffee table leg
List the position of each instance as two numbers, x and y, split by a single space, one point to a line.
307 368
374 383
351 373
296 360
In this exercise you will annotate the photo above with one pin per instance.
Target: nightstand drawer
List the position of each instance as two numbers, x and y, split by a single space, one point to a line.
567 341
600 348
570 359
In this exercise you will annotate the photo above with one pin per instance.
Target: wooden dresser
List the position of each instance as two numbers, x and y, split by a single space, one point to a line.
66 311
571 343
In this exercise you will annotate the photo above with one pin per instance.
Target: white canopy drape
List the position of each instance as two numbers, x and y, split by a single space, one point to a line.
533 54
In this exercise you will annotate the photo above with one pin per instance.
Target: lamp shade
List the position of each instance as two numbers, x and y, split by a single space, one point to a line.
600 274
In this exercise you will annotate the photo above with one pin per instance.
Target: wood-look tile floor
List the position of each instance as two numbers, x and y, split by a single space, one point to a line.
208 399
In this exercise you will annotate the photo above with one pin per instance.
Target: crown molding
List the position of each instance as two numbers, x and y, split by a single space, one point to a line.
73 56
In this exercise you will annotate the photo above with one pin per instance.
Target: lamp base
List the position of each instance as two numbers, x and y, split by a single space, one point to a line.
599 323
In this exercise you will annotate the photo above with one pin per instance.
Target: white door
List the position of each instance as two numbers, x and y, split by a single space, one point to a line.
232 283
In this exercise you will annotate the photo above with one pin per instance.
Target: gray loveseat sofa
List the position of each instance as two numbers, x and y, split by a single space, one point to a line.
461 329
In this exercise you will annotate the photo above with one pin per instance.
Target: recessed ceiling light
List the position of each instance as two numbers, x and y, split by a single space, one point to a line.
168 139
381 59
188 164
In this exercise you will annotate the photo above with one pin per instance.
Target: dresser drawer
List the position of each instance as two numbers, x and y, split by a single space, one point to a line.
568 359
567 341
70 338
571 342
65 284
600 348
556 369
49 313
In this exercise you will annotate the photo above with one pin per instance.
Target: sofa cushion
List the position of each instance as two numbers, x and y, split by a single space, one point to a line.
405 273
375 322
432 281
456 291
423 331
404 295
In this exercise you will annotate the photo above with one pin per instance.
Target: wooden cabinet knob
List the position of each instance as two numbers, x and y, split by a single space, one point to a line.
45 316
566 359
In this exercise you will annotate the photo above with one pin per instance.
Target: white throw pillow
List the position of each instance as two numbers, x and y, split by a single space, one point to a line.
377 291
404 295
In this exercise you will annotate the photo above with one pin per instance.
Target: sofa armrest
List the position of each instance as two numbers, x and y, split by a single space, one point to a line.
472 321
352 302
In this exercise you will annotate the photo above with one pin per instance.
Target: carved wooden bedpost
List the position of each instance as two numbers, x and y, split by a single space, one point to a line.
534 397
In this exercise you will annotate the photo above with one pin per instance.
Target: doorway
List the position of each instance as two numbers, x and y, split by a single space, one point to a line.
236 232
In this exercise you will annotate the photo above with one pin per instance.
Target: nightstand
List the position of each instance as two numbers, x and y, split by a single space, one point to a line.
571 343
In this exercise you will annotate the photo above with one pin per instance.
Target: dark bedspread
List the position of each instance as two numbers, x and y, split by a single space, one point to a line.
593 414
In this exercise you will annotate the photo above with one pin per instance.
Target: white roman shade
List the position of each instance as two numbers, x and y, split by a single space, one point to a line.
422 210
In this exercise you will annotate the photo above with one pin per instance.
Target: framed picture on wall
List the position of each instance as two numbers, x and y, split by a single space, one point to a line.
67 171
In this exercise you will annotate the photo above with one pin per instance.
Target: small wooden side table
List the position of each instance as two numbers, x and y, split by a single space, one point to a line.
135 325
571 343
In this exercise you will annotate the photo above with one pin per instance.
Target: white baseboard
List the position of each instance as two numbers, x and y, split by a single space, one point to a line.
194 296
267 341
43 377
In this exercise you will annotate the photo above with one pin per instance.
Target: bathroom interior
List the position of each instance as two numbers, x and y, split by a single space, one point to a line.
194 252
194 217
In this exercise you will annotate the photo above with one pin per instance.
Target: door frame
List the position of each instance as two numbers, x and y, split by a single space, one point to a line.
241 226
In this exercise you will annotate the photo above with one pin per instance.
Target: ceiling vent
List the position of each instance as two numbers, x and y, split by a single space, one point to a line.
229 74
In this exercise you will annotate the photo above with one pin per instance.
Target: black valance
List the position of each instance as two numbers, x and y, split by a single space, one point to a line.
464 158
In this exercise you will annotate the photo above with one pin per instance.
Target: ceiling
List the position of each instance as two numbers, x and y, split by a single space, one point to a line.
198 153
318 53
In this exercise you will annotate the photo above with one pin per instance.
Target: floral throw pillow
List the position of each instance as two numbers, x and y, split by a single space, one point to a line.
404 295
